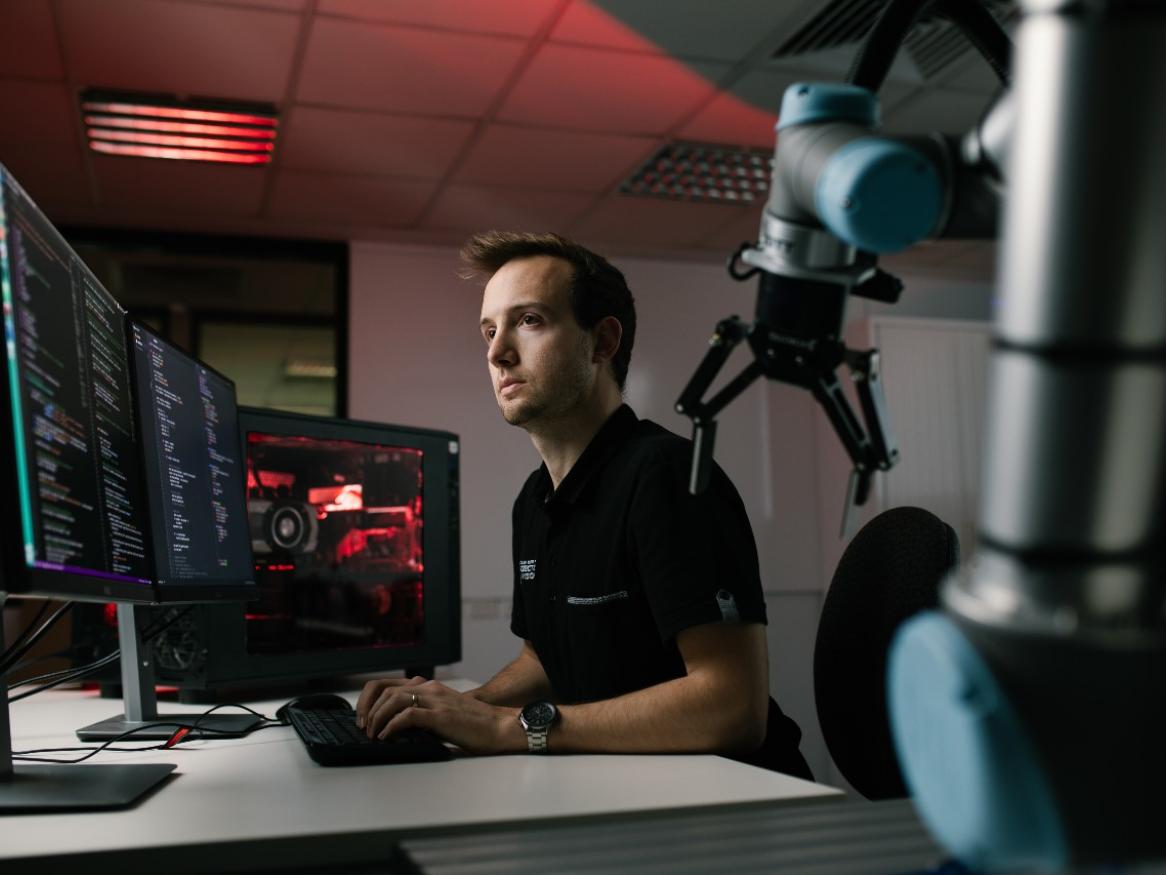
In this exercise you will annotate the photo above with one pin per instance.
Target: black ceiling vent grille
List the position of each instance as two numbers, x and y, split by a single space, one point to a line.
703 172
933 45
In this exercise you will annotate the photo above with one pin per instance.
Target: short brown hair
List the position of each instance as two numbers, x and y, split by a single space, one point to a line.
597 290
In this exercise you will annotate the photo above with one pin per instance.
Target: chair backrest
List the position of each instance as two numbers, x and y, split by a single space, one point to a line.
890 571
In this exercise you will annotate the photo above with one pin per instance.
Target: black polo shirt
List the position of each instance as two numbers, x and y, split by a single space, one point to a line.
615 563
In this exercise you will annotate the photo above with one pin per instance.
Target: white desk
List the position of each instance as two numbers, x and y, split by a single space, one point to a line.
259 802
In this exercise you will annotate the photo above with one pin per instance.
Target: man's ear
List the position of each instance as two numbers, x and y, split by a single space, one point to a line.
608 332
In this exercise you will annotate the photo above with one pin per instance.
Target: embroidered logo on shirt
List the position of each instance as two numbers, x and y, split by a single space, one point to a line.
728 606
598 599
526 568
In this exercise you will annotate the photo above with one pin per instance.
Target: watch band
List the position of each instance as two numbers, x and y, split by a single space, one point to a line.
536 739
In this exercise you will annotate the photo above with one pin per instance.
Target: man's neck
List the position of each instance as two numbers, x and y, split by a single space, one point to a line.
562 442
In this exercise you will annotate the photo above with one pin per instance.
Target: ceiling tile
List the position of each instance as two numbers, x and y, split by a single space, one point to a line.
557 160
627 221
28 42
474 208
284 5
514 17
36 111
949 112
833 65
405 69
186 48
52 173
726 30
363 142
349 200
178 186
601 90
745 115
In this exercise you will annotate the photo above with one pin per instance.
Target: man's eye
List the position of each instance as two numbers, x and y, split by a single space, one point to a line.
528 319
488 334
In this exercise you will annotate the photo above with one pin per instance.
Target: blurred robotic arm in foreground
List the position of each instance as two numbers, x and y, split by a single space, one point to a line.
1030 713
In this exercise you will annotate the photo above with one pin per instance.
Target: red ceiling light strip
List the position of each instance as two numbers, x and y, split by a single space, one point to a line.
110 121
118 126
177 154
201 115
181 142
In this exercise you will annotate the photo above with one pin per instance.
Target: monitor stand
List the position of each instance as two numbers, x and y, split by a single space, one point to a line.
141 701
26 788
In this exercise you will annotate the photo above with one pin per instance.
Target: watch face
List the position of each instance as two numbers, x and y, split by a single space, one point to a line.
538 714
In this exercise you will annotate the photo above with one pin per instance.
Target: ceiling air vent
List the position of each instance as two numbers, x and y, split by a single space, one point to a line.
153 126
933 45
703 172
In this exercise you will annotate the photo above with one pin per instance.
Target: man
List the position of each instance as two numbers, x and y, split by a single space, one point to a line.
640 606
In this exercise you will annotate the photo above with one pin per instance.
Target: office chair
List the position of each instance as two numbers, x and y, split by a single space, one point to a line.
890 571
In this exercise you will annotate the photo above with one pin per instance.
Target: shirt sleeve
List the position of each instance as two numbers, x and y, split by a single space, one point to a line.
695 554
517 608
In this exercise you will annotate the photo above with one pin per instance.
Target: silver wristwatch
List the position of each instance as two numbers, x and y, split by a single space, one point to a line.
537 719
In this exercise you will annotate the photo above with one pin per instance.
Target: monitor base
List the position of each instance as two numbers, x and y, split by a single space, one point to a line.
162 727
35 788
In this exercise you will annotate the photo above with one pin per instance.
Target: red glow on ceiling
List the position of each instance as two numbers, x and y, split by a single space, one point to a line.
179 113
187 142
666 94
177 154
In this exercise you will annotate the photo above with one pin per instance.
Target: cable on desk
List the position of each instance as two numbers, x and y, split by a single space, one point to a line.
181 734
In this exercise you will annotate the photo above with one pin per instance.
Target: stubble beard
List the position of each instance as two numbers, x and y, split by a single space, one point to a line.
553 400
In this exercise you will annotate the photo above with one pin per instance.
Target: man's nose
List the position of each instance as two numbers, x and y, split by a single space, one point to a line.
501 352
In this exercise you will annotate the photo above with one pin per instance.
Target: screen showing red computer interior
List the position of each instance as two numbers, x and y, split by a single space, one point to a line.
336 530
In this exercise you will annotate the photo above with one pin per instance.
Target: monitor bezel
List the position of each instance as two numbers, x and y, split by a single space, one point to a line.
228 660
185 593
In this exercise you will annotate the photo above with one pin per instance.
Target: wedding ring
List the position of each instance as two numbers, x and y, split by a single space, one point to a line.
416 699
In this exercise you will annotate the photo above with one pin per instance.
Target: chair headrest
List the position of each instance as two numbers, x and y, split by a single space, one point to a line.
890 571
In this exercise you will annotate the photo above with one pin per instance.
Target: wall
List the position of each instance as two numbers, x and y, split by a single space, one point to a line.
416 358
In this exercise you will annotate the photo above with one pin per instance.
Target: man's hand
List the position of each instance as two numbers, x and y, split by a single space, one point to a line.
389 705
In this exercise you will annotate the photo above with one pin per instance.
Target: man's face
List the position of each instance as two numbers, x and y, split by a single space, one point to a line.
540 359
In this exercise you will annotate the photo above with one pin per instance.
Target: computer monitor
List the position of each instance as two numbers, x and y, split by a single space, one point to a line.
73 487
354 530
194 475
356 537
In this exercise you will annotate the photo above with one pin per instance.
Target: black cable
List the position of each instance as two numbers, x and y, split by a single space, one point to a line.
985 33
76 671
4 657
13 655
55 679
170 744
890 30
883 41
66 653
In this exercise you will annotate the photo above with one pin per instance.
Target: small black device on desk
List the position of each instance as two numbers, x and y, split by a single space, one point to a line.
326 724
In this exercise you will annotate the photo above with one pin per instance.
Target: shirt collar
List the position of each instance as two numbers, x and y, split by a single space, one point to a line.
610 437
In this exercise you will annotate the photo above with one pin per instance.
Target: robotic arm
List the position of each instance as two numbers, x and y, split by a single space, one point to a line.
841 194
1029 714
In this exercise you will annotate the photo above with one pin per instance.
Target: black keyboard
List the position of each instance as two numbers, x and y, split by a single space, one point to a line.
332 739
